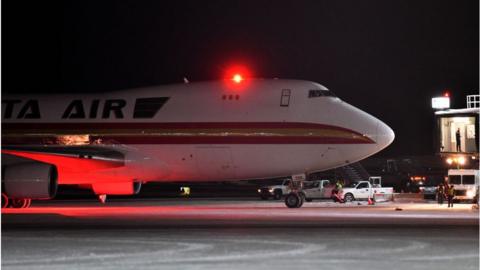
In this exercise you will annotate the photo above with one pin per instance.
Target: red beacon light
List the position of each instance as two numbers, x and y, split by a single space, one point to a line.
237 78
447 94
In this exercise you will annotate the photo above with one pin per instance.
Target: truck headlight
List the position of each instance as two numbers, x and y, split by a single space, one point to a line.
259 190
270 190
470 193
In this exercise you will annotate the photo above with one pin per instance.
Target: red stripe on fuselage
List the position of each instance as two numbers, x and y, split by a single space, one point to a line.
186 125
188 140
41 133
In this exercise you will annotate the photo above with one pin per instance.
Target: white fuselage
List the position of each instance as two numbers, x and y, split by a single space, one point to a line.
203 131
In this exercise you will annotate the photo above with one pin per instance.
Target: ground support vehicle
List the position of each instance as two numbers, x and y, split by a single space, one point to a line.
364 190
429 193
319 189
276 191
465 183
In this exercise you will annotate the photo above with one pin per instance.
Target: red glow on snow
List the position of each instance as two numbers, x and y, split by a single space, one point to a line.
114 188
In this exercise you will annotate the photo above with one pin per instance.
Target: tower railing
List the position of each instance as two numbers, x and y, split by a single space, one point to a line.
473 101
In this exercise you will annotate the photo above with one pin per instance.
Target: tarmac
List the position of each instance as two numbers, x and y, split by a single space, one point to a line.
239 234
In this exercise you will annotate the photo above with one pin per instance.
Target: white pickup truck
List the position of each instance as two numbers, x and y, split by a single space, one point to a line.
363 190
312 190
275 191
318 189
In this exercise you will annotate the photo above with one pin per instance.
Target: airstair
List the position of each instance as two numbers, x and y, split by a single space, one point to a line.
353 172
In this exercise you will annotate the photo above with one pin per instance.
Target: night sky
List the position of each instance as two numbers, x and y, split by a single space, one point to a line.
385 57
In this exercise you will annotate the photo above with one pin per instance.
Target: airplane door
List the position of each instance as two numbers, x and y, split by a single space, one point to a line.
215 163
285 98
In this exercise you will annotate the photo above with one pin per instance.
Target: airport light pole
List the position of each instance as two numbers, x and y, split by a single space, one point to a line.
459 161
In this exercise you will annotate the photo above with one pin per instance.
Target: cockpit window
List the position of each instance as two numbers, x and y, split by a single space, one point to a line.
320 93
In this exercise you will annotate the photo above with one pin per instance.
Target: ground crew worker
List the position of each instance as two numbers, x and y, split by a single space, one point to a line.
451 194
338 186
440 194
445 189
336 192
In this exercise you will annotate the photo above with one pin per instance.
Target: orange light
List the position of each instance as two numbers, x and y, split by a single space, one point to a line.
237 78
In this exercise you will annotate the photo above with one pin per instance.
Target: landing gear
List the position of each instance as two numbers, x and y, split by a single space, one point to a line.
296 197
302 199
5 200
294 200
15 203
102 198
20 203
29 203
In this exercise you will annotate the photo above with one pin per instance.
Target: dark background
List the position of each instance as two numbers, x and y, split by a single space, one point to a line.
385 57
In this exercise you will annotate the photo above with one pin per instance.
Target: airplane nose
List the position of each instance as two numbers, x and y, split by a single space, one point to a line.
379 133
385 135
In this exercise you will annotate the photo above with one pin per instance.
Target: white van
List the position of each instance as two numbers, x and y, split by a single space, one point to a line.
465 183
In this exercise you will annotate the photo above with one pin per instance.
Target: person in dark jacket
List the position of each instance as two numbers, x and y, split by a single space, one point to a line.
440 194
451 194
457 137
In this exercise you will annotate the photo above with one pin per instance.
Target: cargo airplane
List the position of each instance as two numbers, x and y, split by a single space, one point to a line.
221 130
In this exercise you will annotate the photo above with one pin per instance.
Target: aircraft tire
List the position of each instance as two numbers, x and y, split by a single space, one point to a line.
293 200
302 200
5 200
29 202
20 203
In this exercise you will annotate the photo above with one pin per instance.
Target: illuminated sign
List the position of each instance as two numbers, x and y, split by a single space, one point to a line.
441 102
